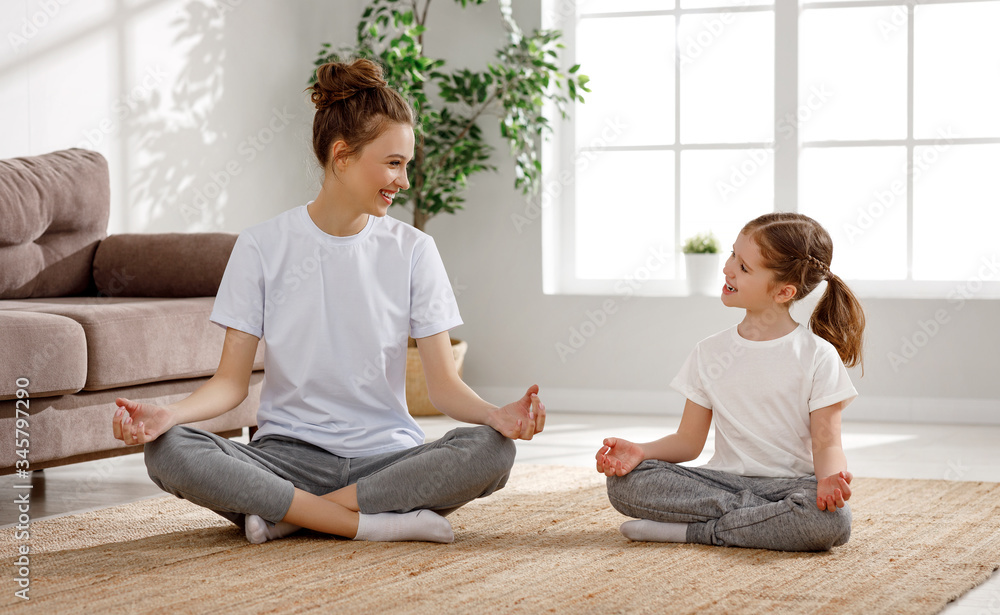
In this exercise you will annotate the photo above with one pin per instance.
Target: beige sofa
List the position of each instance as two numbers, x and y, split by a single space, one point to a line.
86 318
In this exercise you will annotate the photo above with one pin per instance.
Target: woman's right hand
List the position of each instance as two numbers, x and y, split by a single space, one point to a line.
136 423
618 457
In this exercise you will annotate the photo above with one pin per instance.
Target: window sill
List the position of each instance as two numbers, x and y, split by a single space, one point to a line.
955 292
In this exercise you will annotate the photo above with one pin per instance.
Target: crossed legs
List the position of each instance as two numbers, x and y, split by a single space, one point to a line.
282 479
730 510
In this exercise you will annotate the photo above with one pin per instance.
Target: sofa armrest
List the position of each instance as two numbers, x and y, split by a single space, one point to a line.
162 264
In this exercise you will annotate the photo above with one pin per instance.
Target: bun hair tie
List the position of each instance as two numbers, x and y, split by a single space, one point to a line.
336 82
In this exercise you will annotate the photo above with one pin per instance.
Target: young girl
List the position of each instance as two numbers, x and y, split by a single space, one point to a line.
335 288
778 479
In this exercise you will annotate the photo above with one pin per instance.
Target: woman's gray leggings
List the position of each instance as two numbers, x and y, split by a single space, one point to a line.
236 479
730 510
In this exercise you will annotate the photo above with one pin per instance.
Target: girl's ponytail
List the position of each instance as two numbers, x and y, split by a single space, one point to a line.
840 320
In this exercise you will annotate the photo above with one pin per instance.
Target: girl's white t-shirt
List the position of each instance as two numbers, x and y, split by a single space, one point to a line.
761 395
335 314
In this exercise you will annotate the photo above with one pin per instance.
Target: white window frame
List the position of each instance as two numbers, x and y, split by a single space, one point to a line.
560 162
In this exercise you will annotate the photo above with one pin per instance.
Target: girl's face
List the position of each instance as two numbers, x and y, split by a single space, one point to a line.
749 284
374 177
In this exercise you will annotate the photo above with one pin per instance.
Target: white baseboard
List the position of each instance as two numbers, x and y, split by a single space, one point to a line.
605 401
670 403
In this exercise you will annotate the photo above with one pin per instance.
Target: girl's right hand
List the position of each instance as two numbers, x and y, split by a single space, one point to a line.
136 423
618 457
833 491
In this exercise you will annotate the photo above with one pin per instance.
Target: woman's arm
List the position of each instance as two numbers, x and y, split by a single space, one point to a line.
136 423
829 462
521 419
618 456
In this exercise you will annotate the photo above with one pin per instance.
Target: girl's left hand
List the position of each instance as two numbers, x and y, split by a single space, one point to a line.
522 419
833 491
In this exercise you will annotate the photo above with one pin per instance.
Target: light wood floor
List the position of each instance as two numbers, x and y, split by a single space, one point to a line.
884 450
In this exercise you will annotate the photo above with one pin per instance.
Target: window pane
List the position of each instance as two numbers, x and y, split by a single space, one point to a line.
625 215
722 190
727 77
859 195
956 211
852 67
956 81
589 7
635 96
711 4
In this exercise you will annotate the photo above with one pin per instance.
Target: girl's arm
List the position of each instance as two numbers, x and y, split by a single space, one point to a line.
518 420
618 456
136 423
829 462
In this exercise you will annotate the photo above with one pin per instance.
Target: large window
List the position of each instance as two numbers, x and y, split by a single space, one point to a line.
880 119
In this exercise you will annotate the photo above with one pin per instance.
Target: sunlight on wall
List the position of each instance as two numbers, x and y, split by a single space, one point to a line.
190 101
101 76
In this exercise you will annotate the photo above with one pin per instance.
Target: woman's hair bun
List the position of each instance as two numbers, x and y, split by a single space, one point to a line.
354 104
336 81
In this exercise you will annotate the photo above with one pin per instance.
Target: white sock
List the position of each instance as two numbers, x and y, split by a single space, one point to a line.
654 531
259 531
425 525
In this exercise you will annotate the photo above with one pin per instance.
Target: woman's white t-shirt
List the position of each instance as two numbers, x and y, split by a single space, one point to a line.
335 314
761 395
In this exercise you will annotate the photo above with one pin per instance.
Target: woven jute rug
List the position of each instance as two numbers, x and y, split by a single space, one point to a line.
548 542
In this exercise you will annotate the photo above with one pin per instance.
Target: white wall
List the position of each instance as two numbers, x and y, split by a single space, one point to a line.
173 98
198 105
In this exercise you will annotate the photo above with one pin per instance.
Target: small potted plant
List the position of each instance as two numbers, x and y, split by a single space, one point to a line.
701 264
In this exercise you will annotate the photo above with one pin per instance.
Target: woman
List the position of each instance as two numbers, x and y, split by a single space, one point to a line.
335 288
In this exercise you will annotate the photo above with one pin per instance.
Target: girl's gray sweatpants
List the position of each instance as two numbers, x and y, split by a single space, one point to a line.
730 510
236 479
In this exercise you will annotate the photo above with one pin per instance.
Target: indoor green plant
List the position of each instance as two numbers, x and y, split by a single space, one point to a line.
701 264
449 145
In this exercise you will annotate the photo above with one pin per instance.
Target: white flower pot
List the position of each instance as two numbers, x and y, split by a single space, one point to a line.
704 274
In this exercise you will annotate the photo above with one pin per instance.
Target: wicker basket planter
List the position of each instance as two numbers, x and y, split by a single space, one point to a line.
417 400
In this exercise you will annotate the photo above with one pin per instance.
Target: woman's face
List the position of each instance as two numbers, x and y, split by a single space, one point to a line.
373 177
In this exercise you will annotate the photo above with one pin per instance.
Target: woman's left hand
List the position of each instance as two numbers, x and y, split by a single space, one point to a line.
522 419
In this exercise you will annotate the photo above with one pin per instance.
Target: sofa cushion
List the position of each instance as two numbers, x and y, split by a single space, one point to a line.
137 340
162 264
55 210
80 424
49 350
